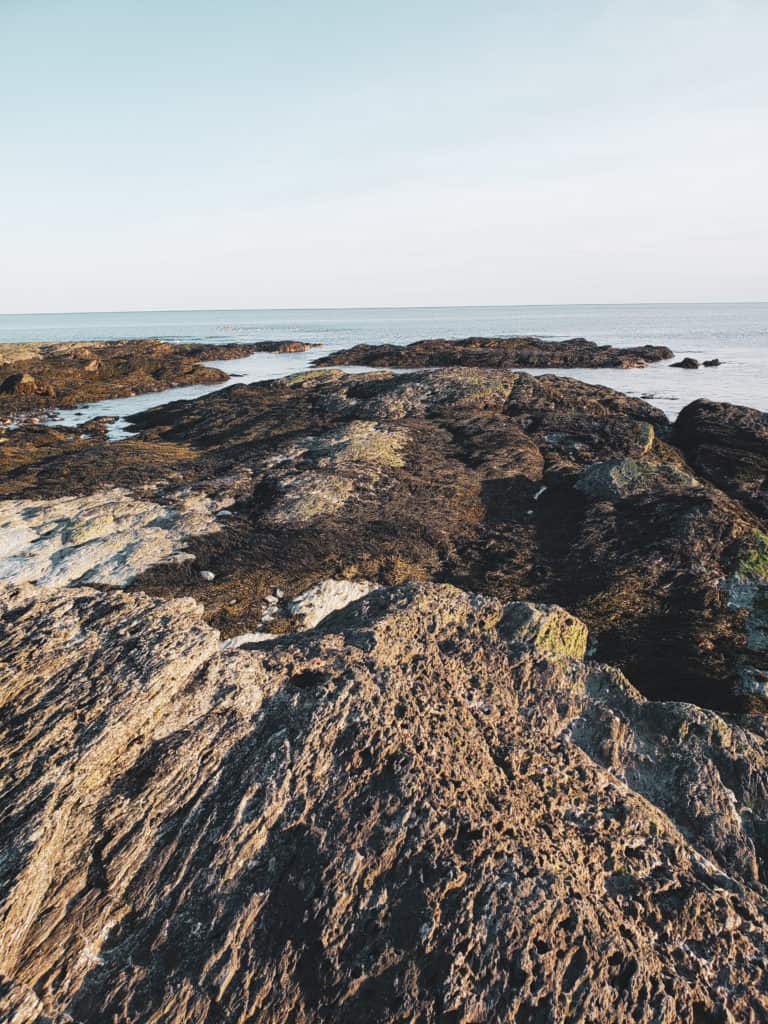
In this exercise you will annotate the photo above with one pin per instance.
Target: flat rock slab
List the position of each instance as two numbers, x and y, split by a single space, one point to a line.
109 538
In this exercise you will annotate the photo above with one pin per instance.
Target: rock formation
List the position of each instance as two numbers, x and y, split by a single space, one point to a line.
687 364
537 488
108 537
502 353
424 810
67 374
262 759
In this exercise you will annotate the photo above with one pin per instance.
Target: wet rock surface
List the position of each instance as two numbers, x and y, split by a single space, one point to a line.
502 353
411 813
63 375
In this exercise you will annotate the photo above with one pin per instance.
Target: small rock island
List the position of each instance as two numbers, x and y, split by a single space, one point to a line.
500 353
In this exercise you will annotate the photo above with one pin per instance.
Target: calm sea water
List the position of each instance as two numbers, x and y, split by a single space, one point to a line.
736 333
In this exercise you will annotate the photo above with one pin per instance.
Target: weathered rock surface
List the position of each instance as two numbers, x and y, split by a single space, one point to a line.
68 374
477 477
619 479
411 814
504 353
687 364
319 601
18 384
108 538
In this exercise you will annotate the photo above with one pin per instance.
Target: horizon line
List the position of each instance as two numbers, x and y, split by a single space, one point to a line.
303 309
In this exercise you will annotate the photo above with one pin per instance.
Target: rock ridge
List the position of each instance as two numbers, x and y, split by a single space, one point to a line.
416 811
499 353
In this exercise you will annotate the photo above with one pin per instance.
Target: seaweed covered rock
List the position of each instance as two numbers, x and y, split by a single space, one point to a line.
728 444
19 384
501 353
534 488
66 374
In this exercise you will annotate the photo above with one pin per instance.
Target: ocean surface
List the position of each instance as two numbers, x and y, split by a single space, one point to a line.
736 333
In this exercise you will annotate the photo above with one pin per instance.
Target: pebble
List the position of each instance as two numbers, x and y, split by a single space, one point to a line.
207 575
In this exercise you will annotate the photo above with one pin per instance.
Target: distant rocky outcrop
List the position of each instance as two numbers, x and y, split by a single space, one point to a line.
687 364
425 809
68 374
502 353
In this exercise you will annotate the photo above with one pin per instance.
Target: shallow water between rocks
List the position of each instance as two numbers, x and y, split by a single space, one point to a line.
736 333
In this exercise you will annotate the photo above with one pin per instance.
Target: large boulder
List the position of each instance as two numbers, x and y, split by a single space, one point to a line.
728 444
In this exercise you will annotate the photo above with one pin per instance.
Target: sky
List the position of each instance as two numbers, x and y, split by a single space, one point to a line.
174 154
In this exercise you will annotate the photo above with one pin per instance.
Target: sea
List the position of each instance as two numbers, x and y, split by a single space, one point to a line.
735 333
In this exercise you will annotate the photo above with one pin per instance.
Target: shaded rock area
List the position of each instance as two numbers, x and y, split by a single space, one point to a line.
412 813
25 384
727 444
504 353
63 375
540 489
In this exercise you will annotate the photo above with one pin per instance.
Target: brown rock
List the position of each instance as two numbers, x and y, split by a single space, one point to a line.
687 364
19 384
502 353
728 444
408 814
70 374
470 476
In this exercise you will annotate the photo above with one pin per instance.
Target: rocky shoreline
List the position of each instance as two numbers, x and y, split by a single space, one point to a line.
63 375
500 353
382 697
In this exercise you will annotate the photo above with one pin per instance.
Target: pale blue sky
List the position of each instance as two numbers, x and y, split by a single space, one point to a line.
186 153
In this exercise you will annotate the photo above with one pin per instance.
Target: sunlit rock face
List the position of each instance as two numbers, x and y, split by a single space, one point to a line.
427 808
